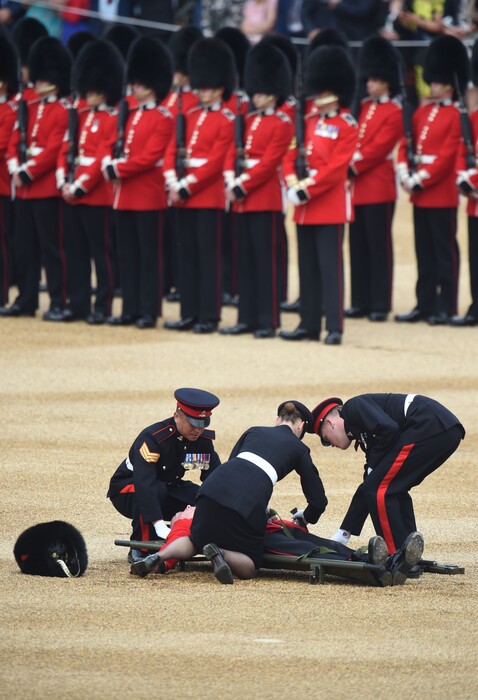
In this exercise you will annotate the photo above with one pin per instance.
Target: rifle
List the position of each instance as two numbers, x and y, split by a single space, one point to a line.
123 112
301 160
407 114
239 138
180 137
22 110
466 132
72 141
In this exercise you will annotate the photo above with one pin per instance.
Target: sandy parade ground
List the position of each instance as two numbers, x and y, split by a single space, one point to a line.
73 398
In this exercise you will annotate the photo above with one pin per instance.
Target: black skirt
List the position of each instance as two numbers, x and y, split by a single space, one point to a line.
226 528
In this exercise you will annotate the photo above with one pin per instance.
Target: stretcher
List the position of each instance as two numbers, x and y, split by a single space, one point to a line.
316 567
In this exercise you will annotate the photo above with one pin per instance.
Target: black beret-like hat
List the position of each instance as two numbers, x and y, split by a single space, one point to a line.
99 67
150 64
50 60
197 405
329 68
267 71
54 548
8 65
446 57
24 34
180 44
305 414
380 59
211 66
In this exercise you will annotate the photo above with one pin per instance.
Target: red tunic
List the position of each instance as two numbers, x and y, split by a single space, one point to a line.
7 120
266 140
209 134
189 100
96 137
141 185
330 143
47 123
436 135
380 127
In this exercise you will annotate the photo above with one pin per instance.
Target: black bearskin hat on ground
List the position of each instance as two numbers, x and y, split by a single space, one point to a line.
77 40
24 34
150 64
239 45
8 65
285 45
328 37
330 69
99 67
380 59
446 57
122 36
180 43
55 548
49 60
267 71
474 63
211 66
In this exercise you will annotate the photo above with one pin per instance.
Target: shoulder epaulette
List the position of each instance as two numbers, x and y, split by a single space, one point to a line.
164 111
193 109
112 111
291 101
348 118
165 433
283 117
65 102
397 101
228 114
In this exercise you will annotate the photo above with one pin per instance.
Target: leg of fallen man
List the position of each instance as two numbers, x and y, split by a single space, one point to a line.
240 564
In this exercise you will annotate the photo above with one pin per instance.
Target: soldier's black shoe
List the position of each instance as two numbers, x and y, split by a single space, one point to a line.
405 558
221 569
15 310
238 329
146 322
440 319
54 314
135 555
120 320
184 324
377 551
205 327
467 320
150 564
97 318
354 312
411 317
333 338
264 333
377 316
300 334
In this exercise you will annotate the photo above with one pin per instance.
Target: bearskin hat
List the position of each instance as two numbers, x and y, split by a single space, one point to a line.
239 45
77 40
55 548
285 45
380 59
24 34
150 64
267 71
122 36
211 65
99 67
329 68
8 65
51 61
328 37
180 43
447 57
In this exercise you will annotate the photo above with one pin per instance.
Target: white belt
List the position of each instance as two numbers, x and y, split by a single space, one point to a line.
85 160
408 401
261 463
251 162
195 162
35 151
128 464
426 160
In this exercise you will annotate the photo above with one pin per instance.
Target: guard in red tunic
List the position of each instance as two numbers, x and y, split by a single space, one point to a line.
97 80
254 186
322 199
467 182
375 191
8 89
39 235
140 196
430 180
199 194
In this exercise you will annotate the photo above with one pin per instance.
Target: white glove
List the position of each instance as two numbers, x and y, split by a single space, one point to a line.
293 197
341 536
162 530
298 517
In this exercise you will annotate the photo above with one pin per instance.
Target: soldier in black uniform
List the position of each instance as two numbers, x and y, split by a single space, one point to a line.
404 438
231 505
148 486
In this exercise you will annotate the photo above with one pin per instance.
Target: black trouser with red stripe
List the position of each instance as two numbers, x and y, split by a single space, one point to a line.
258 242
39 240
371 257
438 260
321 276
384 493
6 267
87 237
473 263
172 499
